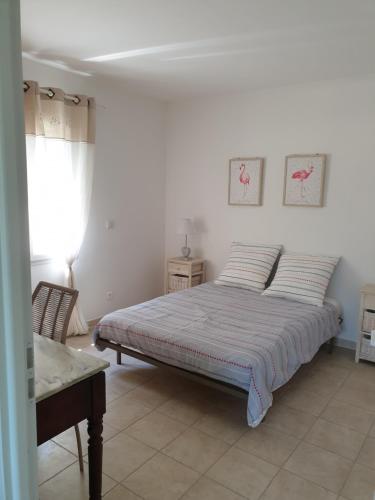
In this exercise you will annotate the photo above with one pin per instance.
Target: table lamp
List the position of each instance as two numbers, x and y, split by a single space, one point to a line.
185 227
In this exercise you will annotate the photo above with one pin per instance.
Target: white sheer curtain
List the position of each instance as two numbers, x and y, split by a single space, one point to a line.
60 160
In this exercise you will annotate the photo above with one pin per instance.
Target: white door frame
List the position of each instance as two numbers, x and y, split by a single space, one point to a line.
17 404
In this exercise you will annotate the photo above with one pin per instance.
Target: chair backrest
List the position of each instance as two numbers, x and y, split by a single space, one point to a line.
52 309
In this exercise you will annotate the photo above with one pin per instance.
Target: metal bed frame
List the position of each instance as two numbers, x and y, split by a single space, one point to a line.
196 377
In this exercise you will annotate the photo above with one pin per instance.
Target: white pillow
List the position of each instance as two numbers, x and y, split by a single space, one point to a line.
303 278
249 266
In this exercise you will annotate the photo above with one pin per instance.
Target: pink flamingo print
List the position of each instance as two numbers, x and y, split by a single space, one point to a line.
244 179
301 176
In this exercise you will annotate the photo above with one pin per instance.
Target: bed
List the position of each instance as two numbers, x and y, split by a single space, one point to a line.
238 338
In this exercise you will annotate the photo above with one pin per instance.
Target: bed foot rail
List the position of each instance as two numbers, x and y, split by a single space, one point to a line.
118 358
331 345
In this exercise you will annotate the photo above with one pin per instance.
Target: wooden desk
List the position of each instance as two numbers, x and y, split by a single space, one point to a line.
70 387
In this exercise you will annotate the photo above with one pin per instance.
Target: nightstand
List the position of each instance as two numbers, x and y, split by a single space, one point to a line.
182 273
366 323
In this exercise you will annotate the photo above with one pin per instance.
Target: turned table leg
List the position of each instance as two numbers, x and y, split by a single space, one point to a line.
95 453
95 441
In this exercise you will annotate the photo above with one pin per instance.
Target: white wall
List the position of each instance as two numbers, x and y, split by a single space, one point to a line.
336 118
129 188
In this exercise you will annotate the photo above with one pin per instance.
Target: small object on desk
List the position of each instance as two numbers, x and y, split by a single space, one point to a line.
182 273
69 388
366 338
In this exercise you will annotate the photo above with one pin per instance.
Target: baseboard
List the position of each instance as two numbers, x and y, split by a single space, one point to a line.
92 322
347 344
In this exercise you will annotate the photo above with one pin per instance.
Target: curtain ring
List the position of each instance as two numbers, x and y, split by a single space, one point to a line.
51 94
76 100
26 86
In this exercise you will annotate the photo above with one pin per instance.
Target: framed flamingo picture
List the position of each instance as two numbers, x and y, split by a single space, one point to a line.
245 181
304 180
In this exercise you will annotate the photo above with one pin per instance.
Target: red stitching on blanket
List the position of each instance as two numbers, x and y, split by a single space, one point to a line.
256 388
177 345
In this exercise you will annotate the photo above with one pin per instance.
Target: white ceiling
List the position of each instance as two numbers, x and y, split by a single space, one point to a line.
183 48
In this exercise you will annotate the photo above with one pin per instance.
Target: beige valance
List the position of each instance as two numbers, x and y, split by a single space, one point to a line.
50 113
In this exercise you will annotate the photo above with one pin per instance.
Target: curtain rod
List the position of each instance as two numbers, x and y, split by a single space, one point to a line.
52 94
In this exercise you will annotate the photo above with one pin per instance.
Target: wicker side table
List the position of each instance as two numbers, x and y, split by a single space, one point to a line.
182 273
366 323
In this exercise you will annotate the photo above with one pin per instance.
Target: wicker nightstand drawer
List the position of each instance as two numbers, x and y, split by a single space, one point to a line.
178 268
177 282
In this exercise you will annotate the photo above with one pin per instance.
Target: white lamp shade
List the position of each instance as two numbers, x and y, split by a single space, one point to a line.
185 226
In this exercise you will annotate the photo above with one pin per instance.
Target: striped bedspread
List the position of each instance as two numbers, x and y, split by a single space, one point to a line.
230 334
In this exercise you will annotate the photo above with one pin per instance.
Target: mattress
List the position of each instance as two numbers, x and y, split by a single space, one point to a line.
229 334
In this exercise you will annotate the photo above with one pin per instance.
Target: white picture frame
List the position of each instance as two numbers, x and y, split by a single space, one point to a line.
304 180
245 185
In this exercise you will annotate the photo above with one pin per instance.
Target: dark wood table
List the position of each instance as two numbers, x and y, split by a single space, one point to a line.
70 387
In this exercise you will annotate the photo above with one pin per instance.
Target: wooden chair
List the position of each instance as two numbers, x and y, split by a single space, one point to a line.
52 309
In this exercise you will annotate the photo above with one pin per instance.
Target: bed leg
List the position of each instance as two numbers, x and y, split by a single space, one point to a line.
331 345
118 358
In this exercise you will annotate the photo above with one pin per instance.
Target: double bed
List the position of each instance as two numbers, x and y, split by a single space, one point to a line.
238 338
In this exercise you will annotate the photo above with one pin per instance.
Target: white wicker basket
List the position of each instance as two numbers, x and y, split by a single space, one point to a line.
177 282
367 350
368 320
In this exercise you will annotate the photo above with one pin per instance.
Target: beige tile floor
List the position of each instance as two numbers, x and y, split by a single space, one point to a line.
166 438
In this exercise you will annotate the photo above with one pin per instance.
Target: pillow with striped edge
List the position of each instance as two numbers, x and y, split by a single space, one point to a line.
249 266
303 278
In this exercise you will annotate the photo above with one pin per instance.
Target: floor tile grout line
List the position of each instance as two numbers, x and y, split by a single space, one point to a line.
203 475
110 489
328 451
145 404
336 452
356 460
227 451
57 473
64 448
299 477
299 440
164 446
137 468
367 433
218 438
190 487
85 454
176 419
148 460
132 422
351 470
